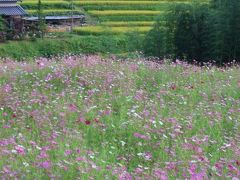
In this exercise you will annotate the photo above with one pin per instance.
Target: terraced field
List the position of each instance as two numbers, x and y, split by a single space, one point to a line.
108 16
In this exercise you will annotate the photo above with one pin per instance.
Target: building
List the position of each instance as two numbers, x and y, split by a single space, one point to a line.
58 20
56 23
12 14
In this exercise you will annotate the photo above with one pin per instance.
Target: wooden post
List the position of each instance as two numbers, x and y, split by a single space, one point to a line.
71 15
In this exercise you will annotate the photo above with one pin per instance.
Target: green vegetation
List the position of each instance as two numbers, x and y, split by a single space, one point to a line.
190 30
102 11
77 106
198 32
90 117
65 44
100 30
2 29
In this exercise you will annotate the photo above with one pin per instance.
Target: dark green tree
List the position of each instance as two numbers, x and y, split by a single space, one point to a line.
225 30
181 33
187 29
155 42
198 32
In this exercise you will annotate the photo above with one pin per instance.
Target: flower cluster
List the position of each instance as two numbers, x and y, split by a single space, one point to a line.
88 117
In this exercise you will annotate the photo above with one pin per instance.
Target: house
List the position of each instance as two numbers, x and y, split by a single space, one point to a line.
58 20
12 14
56 23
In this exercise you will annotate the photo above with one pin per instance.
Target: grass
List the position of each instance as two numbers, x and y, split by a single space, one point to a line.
128 18
90 117
64 43
123 12
44 2
99 30
128 23
161 7
118 2
55 12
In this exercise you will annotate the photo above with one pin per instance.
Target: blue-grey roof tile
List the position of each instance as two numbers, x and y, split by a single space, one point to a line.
9 1
12 10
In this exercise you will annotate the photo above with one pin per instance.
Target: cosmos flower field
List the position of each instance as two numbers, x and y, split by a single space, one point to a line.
86 117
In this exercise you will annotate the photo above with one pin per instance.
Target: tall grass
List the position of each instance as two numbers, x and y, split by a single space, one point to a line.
100 30
88 117
128 23
69 44
124 12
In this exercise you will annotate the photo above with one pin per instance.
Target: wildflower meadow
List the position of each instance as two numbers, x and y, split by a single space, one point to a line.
89 117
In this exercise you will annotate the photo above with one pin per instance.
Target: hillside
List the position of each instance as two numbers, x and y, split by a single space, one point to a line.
108 16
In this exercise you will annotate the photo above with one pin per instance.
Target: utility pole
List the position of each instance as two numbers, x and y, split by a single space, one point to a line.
71 15
41 19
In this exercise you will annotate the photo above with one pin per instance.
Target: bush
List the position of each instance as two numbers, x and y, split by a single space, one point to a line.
65 45
155 42
2 29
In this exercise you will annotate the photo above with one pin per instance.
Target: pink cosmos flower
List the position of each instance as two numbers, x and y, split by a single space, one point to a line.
78 151
134 67
125 176
43 155
147 156
48 77
6 127
68 152
192 168
141 136
45 164
7 88
198 176
160 174
72 107
138 170
20 150
80 159
80 120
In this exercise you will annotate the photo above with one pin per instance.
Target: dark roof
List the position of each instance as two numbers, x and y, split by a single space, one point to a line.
9 0
12 10
34 18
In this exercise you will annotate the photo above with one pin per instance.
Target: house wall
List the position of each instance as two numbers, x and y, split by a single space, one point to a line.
15 24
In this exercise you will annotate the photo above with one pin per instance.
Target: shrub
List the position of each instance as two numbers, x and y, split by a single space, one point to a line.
114 44
155 42
2 29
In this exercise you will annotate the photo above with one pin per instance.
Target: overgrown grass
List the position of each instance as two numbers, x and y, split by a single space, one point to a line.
128 23
101 30
127 7
128 18
92 118
124 12
73 44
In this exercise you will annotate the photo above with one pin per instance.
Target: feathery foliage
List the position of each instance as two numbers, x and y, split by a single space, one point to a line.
198 32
